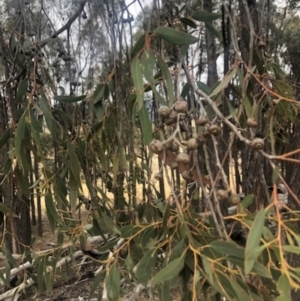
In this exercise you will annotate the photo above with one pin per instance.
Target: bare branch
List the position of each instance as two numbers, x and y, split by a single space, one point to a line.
68 24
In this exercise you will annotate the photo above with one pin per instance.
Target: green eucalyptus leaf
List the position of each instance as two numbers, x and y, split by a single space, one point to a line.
129 262
22 90
204 16
171 270
228 248
139 46
188 21
4 138
48 117
224 83
137 76
20 135
146 124
145 266
74 163
253 248
148 65
69 99
174 36
213 31
167 76
52 214
248 200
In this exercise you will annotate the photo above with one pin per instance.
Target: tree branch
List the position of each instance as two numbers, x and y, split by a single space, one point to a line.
68 24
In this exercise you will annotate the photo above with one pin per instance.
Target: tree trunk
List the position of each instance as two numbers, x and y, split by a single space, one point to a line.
212 74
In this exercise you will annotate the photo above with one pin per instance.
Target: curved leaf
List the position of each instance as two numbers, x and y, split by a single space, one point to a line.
176 37
169 271
74 163
213 31
204 16
224 83
52 214
253 248
112 283
139 45
145 125
137 76
22 90
144 268
148 65
227 248
248 200
69 99
167 76
4 138
20 135
189 22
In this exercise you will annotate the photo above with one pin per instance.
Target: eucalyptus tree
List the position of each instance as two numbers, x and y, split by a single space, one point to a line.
84 99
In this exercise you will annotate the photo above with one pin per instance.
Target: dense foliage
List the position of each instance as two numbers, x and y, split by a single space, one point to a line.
176 137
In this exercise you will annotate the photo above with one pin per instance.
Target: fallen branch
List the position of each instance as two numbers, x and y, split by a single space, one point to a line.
16 271
92 243
14 293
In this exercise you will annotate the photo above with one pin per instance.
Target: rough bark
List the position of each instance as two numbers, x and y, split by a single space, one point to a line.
212 74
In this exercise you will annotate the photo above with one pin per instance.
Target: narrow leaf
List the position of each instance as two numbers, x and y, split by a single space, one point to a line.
158 97
248 106
49 120
4 138
35 123
227 248
51 210
20 135
99 111
129 262
145 266
74 163
110 225
240 292
73 196
148 65
169 271
99 92
7 167
167 76
213 31
139 45
224 83
204 16
22 90
248 200
146 124
137 76
112 283
253 240
275 175
164 292
174 36
69 99
203 87
96 283
188 21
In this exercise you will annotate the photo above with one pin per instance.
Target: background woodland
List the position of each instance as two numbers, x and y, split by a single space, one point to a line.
158 141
